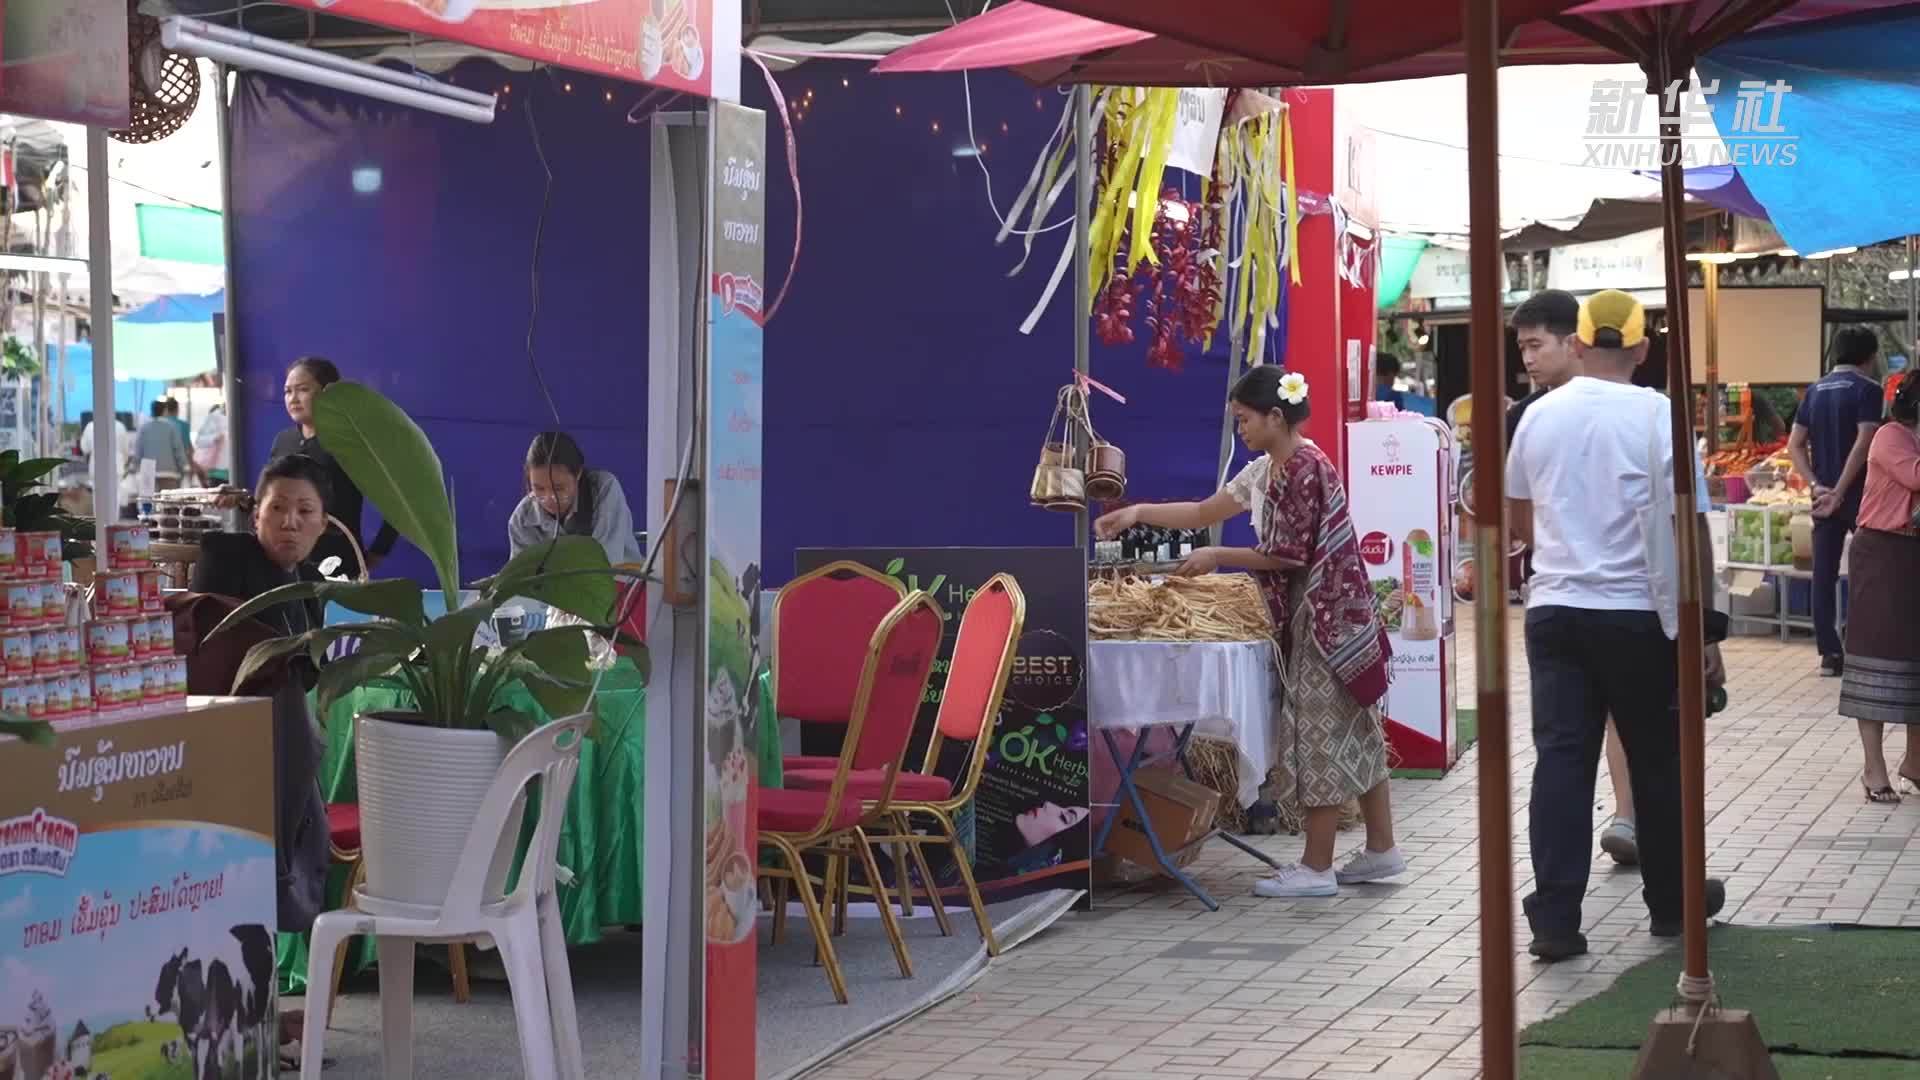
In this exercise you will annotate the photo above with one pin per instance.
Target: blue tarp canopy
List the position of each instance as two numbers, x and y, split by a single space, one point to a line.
1836 172
1719 186
129 395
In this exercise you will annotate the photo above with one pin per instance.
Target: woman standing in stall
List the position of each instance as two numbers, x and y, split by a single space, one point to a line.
308 376
1334 650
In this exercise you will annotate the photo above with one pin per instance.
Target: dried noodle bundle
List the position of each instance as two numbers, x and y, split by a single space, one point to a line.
1214 607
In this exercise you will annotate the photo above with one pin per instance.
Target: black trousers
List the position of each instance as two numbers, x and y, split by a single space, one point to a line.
1829 542
1586 664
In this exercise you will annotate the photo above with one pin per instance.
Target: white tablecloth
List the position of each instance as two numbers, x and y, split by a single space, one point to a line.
1225 689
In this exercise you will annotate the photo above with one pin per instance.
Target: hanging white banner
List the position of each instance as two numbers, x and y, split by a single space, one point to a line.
1636 261
1443 272
1196 130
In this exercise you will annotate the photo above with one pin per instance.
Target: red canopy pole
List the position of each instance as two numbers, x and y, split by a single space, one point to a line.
1487 337
1696 985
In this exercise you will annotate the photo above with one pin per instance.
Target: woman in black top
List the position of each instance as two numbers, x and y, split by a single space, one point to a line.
308 376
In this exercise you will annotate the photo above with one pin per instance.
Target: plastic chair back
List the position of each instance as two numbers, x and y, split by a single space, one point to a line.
893 682
824 622
550 754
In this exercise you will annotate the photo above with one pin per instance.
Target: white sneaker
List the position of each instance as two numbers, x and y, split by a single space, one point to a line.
1619 841
1297 880
1373 866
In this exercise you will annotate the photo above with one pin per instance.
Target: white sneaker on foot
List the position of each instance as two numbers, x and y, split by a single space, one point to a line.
1297 880
1373 866
1619 841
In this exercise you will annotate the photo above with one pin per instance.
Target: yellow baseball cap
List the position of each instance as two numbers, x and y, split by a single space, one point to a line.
1611 319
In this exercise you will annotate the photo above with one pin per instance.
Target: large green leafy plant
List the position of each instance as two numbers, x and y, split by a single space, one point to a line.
454 682
29 507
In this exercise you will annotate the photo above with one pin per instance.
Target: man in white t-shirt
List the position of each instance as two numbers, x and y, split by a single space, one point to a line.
1580 472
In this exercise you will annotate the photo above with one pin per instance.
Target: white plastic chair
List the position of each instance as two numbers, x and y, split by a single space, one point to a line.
524 925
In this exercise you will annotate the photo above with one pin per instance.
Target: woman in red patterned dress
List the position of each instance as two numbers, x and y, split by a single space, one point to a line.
1334 653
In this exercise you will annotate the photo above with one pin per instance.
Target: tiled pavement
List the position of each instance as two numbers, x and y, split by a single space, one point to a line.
1383 981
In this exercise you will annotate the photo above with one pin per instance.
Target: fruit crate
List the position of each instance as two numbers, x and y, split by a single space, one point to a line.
1759 535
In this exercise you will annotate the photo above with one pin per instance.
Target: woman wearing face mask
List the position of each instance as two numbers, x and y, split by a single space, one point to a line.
565 498
308 376
1332 744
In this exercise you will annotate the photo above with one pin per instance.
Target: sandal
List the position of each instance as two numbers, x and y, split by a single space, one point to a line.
1911 779
1881 794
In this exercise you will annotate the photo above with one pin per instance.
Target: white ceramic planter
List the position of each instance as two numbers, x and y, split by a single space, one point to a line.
421 789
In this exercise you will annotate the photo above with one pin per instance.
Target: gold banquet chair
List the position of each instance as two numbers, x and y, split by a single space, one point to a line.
983 655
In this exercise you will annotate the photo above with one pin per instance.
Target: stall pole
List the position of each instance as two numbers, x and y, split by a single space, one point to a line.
673 1023
1696 985
1499 1050
1710 277
106 449
229 362
60 301
1913 302
1082 254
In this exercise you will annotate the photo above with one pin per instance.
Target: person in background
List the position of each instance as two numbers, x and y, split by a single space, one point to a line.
161 443
1578 477
564 497
1545 325
122 437
1831 434
1386 375
1881 684
186 438
210 445
308 376
1333 648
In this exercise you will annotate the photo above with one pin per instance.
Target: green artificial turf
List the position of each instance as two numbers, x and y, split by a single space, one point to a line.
1812 990
1555 1063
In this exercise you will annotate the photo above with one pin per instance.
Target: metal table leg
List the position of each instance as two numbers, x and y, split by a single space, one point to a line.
1128 764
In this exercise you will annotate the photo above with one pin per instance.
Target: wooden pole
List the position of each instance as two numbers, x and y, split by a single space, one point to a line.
1710 337
1488 342
1693 699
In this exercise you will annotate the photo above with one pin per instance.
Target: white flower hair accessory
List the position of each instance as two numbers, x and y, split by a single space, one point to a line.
1293 388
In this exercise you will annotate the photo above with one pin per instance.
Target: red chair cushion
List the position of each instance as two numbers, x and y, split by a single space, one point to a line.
804 761
789 810
912 787
898 671
343 825
974 676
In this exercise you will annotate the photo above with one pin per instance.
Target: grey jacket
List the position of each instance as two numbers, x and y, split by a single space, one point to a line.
612 522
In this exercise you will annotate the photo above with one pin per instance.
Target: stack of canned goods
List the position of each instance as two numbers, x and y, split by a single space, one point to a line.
65 664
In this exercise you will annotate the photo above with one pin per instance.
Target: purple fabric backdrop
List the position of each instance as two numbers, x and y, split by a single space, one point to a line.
903 405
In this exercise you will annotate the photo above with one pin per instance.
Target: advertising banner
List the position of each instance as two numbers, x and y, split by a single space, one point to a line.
734 659
1030 819
65 60
1400 477
137 898
687 45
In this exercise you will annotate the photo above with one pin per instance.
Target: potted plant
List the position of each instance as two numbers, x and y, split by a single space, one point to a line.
29 508
424 774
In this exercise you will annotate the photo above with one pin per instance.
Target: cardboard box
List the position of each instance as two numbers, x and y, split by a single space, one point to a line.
1182 813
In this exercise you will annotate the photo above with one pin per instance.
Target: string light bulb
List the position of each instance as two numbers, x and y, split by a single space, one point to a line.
936 127
896 110
568 87
609 95
844 82
1003 127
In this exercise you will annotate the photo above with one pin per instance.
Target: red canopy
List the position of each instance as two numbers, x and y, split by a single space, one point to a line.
1381 40
1047 47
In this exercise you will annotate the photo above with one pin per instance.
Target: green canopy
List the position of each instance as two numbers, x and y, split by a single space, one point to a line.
180 233
1398 256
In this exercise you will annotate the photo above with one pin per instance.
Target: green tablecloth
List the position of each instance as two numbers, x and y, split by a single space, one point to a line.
603 839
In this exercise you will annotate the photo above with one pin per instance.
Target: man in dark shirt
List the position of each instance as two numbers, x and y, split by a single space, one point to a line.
1831 433
344 501
1386 369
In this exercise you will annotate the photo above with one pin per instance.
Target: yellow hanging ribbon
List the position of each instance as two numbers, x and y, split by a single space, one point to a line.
1162 111
1293 198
